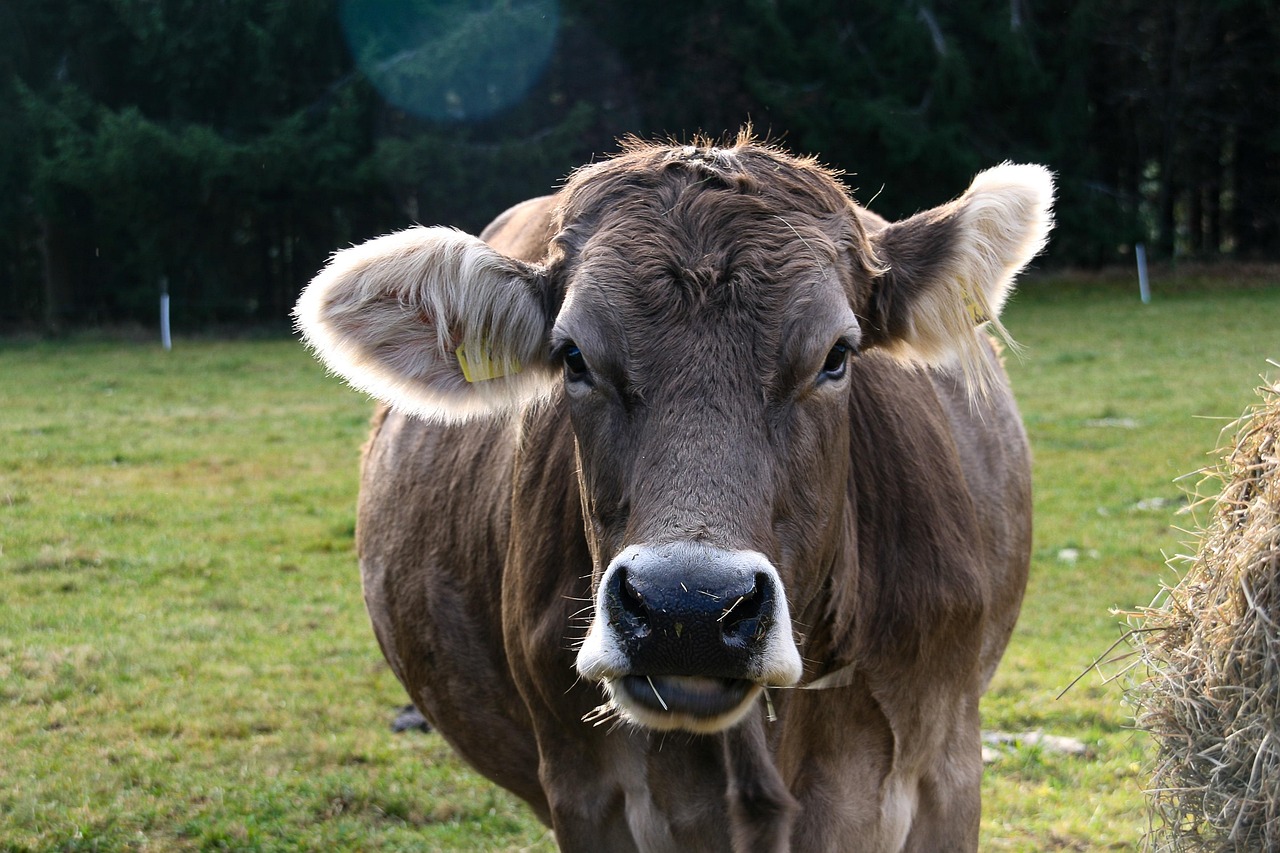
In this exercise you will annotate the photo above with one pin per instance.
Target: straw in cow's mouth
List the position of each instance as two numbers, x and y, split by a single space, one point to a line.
696 696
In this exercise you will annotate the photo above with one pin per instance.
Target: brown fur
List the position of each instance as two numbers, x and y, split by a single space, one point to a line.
705 286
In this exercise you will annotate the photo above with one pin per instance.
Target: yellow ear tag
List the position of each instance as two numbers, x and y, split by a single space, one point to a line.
480 367
976 314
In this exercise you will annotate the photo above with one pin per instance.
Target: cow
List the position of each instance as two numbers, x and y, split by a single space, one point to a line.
697 511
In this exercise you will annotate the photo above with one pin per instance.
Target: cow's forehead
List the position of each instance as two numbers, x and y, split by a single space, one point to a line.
747 168
653 328
661 275
651 242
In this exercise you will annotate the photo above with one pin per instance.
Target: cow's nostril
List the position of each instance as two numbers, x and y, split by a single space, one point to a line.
631 598
627 605
745 618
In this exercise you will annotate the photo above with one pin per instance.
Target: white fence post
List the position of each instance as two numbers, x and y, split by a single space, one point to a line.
165 340
1144 286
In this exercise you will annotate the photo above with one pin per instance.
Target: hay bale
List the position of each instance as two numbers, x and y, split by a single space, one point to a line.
1211 645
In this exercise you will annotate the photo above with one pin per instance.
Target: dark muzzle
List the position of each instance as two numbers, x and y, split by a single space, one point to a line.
702 617
686 636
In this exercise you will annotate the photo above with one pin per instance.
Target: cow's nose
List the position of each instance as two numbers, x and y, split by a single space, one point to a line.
686 635
677 616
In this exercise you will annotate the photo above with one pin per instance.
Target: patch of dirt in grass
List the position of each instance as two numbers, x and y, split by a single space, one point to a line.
62 558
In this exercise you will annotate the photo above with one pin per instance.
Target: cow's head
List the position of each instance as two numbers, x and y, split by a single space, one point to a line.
697 309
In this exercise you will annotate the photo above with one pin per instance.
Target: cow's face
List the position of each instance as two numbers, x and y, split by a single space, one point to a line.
699 309
705 337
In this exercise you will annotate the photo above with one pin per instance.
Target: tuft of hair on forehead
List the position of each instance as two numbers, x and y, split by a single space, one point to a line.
737 211
742 164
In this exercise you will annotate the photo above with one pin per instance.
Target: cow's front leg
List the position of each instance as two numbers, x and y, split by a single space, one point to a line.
589 818
761 809
635 790
949 793
596 785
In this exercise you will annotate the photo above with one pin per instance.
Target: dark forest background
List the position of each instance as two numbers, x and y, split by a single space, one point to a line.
221 149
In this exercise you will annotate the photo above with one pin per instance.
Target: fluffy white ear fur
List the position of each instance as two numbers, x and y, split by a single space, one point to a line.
1001 222
389 316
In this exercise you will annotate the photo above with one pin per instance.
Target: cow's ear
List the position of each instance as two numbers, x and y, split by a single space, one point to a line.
432 321
947 270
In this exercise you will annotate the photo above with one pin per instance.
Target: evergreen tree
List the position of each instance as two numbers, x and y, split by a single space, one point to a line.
222 150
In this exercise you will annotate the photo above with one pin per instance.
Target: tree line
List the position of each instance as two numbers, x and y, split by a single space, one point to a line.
220 151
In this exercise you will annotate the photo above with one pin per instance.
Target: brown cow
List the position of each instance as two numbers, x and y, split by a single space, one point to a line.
690 433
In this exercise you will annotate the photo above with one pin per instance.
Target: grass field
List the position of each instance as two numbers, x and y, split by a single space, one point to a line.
185 663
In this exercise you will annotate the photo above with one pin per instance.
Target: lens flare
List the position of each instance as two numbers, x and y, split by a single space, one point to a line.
451 60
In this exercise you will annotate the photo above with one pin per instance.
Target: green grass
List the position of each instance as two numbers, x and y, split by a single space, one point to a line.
1119 399
185 663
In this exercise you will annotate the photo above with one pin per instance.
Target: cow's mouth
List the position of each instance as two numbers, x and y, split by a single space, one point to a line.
696 697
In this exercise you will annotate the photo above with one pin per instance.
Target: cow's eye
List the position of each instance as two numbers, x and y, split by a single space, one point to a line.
837 361
575 366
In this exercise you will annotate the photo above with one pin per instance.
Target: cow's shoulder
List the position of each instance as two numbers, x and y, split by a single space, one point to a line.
523 230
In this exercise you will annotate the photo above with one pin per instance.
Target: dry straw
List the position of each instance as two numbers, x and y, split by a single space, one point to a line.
1211 646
